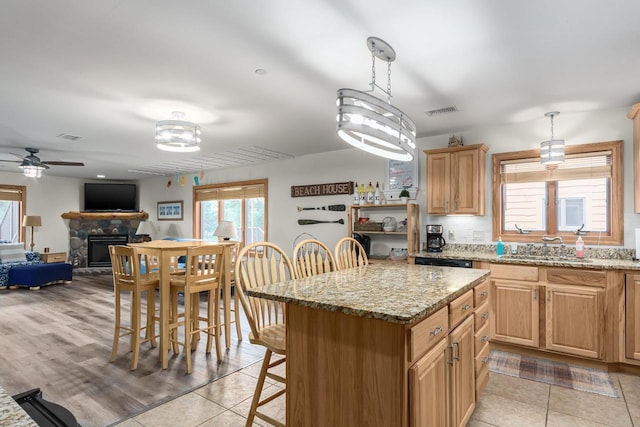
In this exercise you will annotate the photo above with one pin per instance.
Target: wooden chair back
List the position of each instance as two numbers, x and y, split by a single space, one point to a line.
311 257
256 265
203 268
349 253
134 266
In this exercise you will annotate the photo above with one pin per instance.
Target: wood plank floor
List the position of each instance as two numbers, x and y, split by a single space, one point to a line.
59 339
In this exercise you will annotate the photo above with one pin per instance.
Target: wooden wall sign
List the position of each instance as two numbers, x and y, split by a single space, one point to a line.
322 189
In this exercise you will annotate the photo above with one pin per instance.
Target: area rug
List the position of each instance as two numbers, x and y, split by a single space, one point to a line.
555 373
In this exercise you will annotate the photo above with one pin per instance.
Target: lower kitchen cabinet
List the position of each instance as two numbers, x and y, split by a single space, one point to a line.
515 312
442 382
575 320
632 321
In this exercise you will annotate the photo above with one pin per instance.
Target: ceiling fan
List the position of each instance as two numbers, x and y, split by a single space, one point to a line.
32 166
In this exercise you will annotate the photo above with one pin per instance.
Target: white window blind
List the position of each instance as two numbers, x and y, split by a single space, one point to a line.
575 166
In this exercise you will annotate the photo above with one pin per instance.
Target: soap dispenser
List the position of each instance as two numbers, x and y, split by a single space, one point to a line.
579 248
500 247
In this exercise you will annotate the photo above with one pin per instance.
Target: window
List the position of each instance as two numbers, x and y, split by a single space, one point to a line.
584 192
12 208
243 203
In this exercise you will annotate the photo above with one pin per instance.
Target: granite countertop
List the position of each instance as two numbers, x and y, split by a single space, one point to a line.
11 414
608 260
399 293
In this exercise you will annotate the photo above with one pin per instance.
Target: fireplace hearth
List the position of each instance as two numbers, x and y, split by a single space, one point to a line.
98 248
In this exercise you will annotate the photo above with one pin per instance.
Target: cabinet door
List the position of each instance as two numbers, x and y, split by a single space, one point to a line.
575 320
466 182
632 344
463 374
428 388
516 313
438 183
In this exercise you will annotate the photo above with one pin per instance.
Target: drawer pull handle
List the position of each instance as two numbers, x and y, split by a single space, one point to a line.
456 344
436 331
466 307
484 294
485 316
450 361
484 338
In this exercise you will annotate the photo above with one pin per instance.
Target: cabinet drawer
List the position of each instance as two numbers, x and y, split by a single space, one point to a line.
482 316
427 333
481 381
53 257
460 308
481 338
482 360
574 276
481 294
514 272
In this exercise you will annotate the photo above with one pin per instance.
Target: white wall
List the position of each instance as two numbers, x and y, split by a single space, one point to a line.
51 196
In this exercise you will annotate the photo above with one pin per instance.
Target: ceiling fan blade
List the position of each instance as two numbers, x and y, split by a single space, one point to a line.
11 161
54 163
19 156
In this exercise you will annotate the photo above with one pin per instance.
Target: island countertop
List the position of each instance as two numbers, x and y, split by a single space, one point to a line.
12 414
399 293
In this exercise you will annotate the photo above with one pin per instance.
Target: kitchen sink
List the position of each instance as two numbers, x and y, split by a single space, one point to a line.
534 258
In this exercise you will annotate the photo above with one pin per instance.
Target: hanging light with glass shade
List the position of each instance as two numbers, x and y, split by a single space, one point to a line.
372 124
552 150
177 134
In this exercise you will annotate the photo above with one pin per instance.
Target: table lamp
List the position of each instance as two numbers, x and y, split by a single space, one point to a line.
226 230
32 221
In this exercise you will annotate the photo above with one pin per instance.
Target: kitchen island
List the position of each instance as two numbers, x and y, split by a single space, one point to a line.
11 414
354 335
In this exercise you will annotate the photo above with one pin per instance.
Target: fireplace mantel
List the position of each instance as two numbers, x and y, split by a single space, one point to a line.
105 215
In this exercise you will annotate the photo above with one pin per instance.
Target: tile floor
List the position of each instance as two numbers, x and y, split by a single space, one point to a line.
506 401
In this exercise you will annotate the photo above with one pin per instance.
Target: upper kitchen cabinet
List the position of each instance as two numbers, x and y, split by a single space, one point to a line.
634 114
455 180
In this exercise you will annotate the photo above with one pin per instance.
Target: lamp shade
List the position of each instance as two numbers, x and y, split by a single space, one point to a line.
146 228
172 231
226 230
32 221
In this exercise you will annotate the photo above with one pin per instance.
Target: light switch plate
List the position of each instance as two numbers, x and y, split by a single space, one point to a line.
478 235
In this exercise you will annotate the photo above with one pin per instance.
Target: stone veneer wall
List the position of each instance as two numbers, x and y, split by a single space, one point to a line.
79 230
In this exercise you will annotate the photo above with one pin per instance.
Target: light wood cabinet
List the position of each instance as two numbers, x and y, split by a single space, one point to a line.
463 375
634 114
456 180
515 313
632 320
430 373
376 213
575 319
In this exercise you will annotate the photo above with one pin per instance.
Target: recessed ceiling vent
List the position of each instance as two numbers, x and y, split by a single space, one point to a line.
68 136
439 111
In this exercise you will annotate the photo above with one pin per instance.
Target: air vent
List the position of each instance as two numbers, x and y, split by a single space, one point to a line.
444 110
68 136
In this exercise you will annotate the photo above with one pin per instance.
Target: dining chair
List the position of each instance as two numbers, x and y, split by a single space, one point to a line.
134 272
235 308
350 253
202 273
311 257
260 264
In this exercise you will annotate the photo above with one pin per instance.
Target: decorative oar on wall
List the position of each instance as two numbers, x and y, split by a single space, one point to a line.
325 208
314 221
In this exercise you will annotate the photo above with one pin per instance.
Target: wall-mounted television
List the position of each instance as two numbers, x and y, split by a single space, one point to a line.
110 197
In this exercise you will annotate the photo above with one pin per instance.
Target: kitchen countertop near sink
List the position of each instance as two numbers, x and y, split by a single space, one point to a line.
596 259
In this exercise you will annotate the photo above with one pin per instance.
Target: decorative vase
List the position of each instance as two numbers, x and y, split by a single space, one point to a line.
404 200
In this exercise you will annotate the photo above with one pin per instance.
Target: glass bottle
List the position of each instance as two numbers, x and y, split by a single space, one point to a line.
356 196
376 195
369 194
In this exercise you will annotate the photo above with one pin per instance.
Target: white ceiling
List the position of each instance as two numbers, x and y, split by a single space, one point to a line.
107 70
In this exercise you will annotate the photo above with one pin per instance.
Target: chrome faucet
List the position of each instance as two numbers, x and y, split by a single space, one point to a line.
545 249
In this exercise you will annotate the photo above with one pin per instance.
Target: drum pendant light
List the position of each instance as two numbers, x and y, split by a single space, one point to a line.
371 124
552 151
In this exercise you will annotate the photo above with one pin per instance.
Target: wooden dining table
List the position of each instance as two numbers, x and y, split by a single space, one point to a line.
169 250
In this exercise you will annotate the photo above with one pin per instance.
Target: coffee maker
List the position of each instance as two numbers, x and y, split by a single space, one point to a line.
435 241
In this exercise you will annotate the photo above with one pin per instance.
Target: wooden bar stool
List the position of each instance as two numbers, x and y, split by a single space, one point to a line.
257 265
202 273
134 271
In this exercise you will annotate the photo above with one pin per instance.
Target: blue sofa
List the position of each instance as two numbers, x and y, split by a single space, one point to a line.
30 259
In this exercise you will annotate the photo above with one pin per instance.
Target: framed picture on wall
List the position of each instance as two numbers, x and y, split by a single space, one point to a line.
401 175
170 211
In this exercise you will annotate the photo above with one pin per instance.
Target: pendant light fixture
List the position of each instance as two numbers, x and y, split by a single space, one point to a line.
552 151
371 124
177 134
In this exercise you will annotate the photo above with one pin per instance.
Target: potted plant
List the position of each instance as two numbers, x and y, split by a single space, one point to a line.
404 195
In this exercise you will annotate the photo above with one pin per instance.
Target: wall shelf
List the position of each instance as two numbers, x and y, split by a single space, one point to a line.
105 215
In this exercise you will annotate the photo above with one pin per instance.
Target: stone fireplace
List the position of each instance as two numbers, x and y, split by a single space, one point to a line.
121 226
